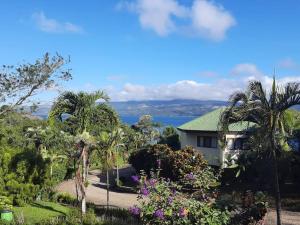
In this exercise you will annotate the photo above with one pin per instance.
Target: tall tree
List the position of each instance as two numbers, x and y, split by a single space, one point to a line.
80 114
267 112
148 128
108 146
19 83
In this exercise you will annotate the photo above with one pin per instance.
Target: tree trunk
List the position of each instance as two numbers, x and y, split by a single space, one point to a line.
84 170
76 185
118 177
275 171
277 190
107 187
117 164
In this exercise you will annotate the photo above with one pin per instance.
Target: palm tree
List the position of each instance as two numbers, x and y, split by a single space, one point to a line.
267 112
108 148
77 113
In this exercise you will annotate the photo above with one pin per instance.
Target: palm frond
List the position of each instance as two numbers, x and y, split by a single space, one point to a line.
289 97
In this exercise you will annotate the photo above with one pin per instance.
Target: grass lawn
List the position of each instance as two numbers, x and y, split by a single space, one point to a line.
37 211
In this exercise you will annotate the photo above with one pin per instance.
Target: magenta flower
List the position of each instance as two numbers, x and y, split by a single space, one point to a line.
159 214
152 182
145 191
190 176
136 179
134 210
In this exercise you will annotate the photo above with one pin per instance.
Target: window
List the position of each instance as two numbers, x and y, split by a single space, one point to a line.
237 144
206 142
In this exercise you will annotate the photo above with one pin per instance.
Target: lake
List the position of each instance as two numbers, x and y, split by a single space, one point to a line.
174 121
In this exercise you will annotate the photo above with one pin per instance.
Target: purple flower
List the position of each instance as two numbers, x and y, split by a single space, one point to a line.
170 200
136 179
134 210
190 176
145 191
152 182
159 214
182 212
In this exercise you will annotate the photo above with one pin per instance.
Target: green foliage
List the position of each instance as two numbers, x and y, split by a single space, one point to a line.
66 198
148 129
161 202
174 164
268 112
253 210
5 203
24 172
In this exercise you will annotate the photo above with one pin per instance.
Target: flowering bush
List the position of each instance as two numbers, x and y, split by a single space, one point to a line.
162 202
175 164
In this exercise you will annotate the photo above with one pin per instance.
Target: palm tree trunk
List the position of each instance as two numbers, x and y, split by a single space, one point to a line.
83 201
118 177
275 171
277 192
107 187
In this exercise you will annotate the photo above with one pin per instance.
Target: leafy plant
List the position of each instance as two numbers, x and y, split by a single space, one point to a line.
5 203
162 202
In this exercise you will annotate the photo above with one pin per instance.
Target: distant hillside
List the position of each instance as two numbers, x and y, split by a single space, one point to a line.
166 108
155 108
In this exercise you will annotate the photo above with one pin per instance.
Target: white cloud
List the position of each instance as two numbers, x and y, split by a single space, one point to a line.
246 69
204 18
53 26
219 89
287 63
184 89
156 14
211 20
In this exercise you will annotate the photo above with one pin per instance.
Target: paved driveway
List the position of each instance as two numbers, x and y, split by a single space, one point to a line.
96 192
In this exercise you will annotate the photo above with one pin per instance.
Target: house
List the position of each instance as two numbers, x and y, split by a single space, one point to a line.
203 134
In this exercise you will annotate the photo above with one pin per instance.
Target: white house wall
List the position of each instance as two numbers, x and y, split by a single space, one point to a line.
214 156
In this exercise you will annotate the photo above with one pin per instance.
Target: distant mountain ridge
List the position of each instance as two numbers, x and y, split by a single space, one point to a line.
167 108
170 108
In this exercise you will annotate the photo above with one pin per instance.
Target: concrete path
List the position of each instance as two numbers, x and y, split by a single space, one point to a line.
288 217
96 192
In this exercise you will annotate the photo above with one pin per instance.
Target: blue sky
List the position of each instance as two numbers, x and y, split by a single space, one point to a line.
157 49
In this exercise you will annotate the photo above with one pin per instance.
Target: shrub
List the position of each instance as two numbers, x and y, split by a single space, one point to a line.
162 202
253 210
66 198
5 203
174 164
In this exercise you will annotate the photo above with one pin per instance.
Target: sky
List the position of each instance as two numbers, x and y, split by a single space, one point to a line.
157 49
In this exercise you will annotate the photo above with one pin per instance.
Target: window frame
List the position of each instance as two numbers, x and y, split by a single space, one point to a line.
205 141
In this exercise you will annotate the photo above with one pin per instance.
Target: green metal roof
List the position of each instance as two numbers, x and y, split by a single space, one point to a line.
210 121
